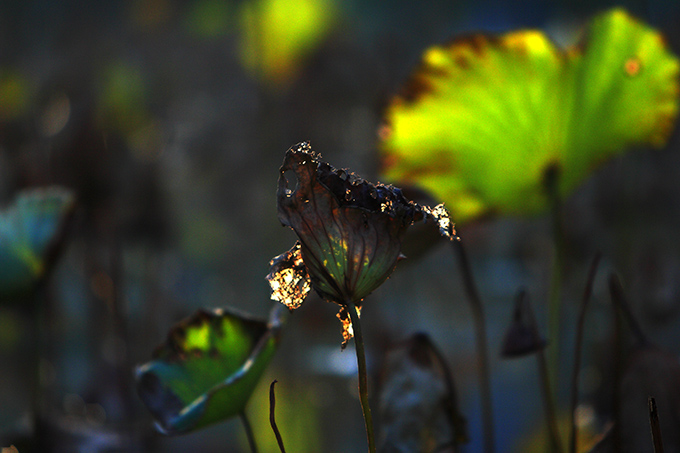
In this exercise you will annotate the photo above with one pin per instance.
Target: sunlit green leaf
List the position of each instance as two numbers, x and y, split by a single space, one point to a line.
30 232
206 370
484 117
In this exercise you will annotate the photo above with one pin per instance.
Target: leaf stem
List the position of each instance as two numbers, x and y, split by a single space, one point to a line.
249 431
615 294
549 401
482 347
363 384
551 185
580 328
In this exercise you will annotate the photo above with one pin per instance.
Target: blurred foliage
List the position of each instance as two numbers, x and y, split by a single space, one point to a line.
30 232
122 98
537 440
15 94
206 370
485 117
211 18
278 34
145 109
418 402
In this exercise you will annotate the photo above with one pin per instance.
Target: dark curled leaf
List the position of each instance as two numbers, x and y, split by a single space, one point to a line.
206 369
418 404
350 231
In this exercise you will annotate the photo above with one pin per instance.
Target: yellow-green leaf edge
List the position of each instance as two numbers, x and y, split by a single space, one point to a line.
483 117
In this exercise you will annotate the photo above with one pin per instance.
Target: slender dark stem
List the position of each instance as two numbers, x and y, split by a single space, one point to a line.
621 304
551 184
655 426
249 432
580 327
363 384
41 328
549 402
555 442
615 294
272 418
482 347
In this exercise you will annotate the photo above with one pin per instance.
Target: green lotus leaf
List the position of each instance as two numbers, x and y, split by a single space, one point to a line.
484 118
31 231
206 370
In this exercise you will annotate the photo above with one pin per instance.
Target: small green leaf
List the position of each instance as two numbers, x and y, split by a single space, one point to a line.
30 233
485 117
206 370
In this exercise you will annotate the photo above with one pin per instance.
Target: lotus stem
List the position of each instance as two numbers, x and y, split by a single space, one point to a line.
548 400
363 384
616 293
249 432
551 185
482 346
580 328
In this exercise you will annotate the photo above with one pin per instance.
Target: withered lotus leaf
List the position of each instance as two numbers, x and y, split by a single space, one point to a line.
418 402
206 370
349 230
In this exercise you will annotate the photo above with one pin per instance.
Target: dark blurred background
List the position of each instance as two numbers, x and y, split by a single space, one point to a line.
169 119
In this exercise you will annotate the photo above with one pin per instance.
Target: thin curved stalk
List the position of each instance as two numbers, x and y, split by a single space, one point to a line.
249 432
363 384
580 327
482 346
272 418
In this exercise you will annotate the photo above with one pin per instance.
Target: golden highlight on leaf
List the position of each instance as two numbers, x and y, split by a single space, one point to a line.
443 220
288 278
481 119
347 330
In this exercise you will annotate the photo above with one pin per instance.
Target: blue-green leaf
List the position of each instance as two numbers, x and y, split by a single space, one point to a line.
30 232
